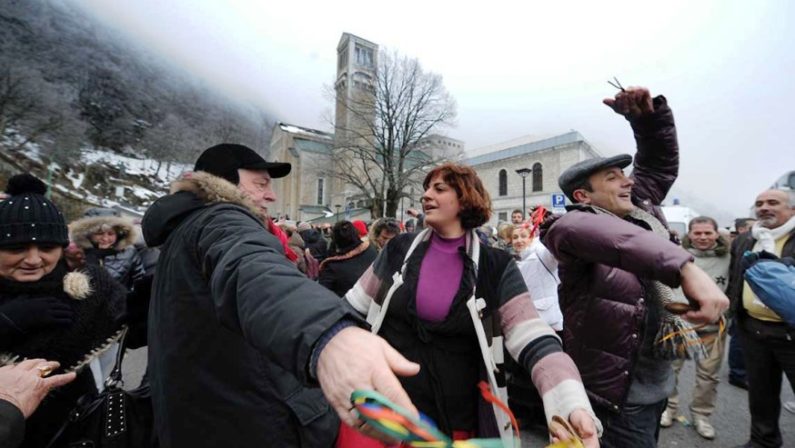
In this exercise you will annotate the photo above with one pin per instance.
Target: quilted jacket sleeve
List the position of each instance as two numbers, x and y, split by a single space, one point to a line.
656 163
584 236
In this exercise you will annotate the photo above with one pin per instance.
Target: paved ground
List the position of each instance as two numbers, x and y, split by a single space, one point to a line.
731 417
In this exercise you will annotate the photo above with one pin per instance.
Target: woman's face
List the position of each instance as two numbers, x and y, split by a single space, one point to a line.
28 263
104 239
520 239
440 204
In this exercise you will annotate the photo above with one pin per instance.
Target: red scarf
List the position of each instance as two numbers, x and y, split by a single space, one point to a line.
279 233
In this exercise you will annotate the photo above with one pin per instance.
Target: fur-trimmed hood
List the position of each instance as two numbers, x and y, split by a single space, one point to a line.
80 231
191 191
213 189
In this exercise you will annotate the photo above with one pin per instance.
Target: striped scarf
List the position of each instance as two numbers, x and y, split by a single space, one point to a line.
676 338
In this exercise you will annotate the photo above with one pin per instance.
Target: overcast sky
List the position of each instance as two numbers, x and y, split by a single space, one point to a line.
517 68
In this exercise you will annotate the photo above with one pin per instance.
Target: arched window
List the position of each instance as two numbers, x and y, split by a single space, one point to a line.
538 177
503 183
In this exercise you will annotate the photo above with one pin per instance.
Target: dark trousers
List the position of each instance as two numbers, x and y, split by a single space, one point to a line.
769 351
637 426
736 359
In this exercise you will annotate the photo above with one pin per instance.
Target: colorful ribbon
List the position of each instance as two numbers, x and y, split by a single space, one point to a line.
399 424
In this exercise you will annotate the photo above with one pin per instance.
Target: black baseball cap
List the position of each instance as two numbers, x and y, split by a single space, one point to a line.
575 175
225 159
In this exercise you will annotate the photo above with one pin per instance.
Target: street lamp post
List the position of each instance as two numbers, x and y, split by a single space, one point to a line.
524 172
338 211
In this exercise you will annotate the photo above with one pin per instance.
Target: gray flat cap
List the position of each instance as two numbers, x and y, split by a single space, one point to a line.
573 177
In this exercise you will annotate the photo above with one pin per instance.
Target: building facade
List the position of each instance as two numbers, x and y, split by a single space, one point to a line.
305 193
440 147
545 158
312 192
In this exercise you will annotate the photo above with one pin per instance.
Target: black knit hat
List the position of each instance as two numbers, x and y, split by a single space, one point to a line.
225 159
28 217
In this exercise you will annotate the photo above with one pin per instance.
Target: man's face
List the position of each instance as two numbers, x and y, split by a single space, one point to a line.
703 235
384 238
516 218
612 191
29 263
257 186
773 209
745 227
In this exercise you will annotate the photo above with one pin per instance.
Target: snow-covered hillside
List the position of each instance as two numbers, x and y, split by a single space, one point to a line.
98 178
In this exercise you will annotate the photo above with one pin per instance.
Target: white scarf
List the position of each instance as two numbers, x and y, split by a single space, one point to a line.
766 238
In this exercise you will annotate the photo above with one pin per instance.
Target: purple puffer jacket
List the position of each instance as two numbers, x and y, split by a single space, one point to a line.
604 262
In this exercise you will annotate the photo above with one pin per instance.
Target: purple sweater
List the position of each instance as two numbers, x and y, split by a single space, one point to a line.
440 278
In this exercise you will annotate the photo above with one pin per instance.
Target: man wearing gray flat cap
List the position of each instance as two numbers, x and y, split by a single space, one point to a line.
617 269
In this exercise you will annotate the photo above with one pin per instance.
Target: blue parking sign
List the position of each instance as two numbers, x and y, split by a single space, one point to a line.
558 200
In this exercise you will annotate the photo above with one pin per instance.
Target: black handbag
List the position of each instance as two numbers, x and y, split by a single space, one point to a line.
114 418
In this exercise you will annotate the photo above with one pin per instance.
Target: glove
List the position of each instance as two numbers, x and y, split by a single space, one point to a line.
751 258
24 316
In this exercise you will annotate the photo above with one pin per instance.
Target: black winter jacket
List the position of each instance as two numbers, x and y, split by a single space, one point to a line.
232 324
340 273
97 301
12 425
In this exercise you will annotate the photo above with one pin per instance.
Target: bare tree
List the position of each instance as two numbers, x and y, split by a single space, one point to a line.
33 110
379 149
29 106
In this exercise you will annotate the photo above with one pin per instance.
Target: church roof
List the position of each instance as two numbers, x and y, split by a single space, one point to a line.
307 132
528 148
313 146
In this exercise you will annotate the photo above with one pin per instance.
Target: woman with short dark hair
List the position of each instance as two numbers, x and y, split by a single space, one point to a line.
429 294
351 258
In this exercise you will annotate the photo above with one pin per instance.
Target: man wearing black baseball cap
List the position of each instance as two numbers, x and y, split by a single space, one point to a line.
617 268
243 167
236 331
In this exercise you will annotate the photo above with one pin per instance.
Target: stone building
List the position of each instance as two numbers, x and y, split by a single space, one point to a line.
311 192
307 194
440 147
303 194
545 158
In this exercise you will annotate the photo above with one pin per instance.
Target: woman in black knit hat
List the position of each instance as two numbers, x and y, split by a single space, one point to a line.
46 311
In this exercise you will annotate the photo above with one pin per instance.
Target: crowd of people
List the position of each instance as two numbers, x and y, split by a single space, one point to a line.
259 329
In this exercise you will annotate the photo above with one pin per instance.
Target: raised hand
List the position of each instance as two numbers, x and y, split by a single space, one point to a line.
632 102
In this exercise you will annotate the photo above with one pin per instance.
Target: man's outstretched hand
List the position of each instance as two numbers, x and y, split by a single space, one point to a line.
632 102
357 359
25 384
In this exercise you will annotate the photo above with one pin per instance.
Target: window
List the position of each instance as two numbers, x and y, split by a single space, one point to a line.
538 177
502 216
343 58
503 183
321 187
364 56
